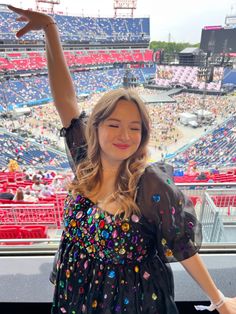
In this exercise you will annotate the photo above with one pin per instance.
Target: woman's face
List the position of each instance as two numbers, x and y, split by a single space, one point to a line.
120 134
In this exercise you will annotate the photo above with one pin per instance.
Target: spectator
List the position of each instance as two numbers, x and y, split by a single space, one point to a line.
29 195
37 186
201 176
13 166
45 191
19 196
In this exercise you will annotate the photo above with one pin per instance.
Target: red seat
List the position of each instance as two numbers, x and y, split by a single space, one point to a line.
11 232
34 231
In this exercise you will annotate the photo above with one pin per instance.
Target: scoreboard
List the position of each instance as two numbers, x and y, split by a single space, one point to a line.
218 40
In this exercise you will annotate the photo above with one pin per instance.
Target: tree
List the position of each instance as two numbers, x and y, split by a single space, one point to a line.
170 47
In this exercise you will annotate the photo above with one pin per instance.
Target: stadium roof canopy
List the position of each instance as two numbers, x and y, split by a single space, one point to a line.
158 98
191 50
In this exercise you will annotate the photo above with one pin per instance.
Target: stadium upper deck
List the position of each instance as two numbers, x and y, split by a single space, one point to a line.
75 29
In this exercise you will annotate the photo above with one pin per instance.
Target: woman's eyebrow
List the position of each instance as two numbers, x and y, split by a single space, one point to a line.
117 120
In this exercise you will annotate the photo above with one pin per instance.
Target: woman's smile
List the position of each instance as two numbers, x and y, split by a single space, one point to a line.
121 146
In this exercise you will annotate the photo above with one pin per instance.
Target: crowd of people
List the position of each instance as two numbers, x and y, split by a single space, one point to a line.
43 123
170 71
188 77
31 184
85 28
213 149
29 152
33 88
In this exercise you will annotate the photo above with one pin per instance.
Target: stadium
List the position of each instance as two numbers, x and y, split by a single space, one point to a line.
190 97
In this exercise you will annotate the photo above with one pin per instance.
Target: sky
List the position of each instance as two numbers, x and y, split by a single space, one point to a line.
179 21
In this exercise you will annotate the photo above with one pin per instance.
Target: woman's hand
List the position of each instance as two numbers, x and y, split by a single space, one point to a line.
229 307
36 20
60 80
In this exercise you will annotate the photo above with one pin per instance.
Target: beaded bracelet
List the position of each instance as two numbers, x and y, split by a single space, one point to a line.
212 306
51 23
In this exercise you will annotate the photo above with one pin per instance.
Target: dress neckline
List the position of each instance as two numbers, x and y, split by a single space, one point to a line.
95 205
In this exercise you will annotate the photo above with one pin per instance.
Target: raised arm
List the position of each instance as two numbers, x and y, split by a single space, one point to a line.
60 80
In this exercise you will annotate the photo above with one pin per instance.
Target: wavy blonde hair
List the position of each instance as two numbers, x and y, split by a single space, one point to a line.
89 171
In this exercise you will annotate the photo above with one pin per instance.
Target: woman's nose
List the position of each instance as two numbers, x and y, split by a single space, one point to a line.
124 134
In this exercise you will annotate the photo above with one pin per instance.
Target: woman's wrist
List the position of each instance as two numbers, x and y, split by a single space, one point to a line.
217 305
214 305
49 24
220 302
215 296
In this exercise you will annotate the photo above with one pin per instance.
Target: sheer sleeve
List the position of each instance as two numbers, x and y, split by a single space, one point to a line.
75 143
177 229
76 150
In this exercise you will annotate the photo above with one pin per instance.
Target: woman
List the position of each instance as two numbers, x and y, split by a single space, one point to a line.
123 220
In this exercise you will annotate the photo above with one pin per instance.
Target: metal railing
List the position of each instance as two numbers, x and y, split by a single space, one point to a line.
22 214
215 207
212 224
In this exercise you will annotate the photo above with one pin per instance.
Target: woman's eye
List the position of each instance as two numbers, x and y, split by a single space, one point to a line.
113 126
134 129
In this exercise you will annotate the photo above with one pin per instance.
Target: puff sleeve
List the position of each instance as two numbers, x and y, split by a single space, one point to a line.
76 150
75 142
178 233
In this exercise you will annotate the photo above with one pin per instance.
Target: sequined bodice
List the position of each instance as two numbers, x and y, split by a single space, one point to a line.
101 235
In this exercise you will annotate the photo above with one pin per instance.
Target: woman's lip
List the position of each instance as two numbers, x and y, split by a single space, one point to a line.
121 146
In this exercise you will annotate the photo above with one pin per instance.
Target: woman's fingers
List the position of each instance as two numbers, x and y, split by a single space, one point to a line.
23 30
16 10
35 20
22 19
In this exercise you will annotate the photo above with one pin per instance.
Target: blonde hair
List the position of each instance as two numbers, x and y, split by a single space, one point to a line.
89 171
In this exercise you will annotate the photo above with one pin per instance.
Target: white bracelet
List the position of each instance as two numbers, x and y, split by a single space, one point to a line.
212 306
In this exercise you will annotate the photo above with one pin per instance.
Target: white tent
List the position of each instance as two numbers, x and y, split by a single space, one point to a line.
204 114
186 117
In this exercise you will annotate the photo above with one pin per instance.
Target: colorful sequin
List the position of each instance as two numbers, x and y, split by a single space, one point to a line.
104 254
101 235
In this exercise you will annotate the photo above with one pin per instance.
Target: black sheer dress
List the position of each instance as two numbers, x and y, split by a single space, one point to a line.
108 264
